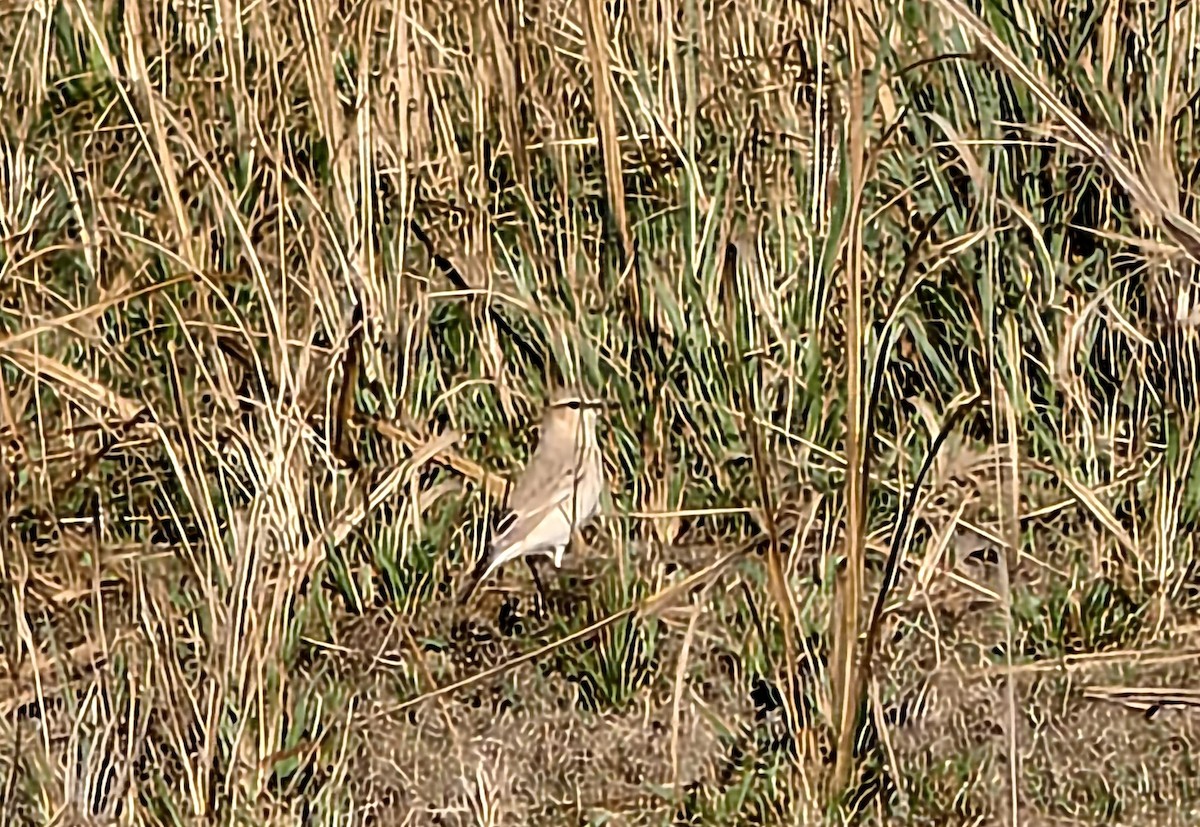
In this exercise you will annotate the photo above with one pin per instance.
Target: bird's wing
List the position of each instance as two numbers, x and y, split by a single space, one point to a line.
546 482
529 505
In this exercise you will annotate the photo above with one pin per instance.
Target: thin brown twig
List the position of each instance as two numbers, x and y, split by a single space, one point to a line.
776 576
849 584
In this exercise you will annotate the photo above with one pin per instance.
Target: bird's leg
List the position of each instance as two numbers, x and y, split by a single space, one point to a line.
542 604
472 585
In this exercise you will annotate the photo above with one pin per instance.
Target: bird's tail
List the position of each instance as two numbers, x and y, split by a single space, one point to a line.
482 569
469 589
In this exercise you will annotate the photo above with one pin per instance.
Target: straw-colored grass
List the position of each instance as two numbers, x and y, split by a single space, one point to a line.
896 304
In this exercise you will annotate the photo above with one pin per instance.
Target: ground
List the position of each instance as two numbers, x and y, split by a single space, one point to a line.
893 307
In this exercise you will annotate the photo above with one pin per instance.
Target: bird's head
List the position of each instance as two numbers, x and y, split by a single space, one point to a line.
568 407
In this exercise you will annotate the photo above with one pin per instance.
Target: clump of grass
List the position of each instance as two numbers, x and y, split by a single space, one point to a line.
281 297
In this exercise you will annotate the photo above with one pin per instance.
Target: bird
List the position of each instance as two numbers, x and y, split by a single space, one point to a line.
558 492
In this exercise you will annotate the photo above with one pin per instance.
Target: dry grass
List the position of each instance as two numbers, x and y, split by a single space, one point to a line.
283 287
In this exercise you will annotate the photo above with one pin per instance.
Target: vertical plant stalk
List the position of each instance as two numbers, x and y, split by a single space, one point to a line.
596 33
504 43
900 534
351 166
344 410
639 309
159 156
848 585
1010 518
776 576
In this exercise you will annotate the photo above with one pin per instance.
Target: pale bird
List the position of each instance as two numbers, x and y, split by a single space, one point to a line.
558 492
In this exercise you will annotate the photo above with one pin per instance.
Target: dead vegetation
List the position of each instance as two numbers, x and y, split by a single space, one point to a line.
896 307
